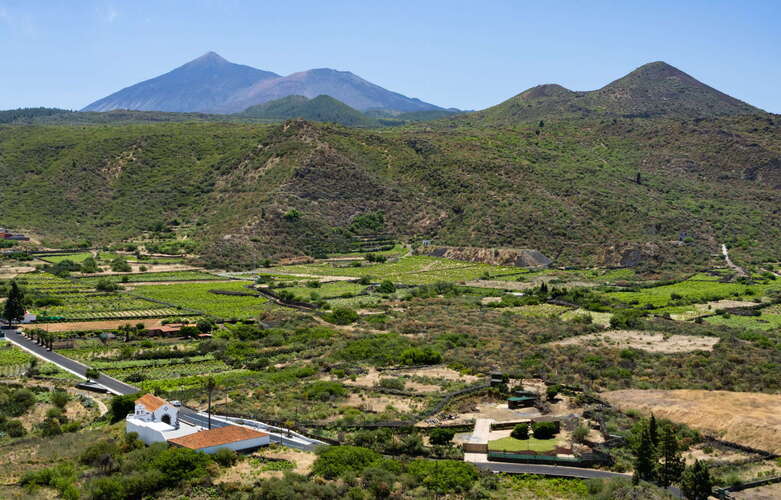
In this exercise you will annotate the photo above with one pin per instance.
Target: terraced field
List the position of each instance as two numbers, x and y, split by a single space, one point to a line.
73 257
413 270
326 290
159 276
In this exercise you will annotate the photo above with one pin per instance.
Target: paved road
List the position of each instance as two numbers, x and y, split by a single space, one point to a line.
560 471
113 385
549 470
192 417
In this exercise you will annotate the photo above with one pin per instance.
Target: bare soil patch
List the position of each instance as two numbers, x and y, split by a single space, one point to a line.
646 341
379 403
749 418
78 326
710 308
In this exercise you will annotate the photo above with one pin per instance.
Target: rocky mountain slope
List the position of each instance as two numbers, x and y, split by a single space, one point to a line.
200 85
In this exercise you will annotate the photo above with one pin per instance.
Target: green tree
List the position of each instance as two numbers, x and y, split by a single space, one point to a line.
442 436
13 310
341 316
92 373
671 465
696 483
120 265
545 430
89 265
645 456
653 430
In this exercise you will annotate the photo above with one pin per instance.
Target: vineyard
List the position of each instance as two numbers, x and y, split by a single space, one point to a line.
197 296
151 277
63 300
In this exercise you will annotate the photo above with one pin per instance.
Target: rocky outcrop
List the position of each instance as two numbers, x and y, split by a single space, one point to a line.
521 257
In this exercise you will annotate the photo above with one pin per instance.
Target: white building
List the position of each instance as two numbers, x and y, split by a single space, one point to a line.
156 420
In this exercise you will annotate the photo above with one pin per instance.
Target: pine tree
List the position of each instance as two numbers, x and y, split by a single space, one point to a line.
671 464
645 457
13 312
696 483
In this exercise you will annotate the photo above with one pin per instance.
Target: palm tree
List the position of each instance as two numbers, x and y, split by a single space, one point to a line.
210 386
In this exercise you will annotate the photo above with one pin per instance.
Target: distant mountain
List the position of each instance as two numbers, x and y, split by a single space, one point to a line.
322 108
201 85
653 90
342 85
210 84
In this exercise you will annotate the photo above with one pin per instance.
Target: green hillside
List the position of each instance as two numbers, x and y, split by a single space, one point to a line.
322 108
653 90
569 188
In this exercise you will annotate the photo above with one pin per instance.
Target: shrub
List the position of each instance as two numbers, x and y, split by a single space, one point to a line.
106 285
225 457
444 476
386 286
442 436
323 390
417 356
13 428
60 398
120 265
520 431
545 430
341 316
392 383
336 461
626 319
120 406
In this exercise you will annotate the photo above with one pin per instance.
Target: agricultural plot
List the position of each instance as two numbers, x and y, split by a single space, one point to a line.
769 319
698 289
197 296
13 361
79 302
413 270
73 257
159 276
326 290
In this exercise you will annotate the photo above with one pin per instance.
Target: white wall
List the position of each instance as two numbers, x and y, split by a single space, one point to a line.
239 445
145 433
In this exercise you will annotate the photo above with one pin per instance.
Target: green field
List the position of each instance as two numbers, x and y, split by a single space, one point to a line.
770 319
514 445
698 289
326 290
196 296
73 257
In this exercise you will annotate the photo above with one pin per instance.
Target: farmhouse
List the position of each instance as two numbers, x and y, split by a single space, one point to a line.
156 420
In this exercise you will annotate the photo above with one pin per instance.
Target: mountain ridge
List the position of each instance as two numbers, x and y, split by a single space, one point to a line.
212 84
655 89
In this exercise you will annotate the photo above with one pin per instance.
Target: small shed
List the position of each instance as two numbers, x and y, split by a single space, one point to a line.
520 402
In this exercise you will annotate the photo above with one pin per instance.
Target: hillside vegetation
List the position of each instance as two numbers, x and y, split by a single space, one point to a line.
578 191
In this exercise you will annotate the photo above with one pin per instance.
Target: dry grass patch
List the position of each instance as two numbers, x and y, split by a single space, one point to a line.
646 341
749 418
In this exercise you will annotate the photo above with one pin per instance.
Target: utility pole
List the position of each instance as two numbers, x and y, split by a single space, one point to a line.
210 385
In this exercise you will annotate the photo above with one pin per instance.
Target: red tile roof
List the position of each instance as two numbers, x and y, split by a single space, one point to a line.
217 436
151 402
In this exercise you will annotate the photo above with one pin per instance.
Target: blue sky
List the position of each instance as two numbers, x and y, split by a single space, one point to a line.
464 54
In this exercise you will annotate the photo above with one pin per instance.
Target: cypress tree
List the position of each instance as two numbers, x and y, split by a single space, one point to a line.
653 430
645 457
696 483
13 311
671 464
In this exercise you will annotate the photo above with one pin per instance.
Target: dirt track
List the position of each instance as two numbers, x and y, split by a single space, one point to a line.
749 418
